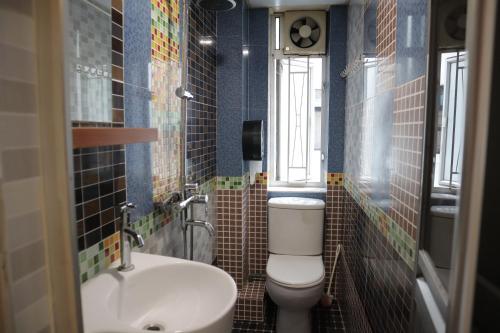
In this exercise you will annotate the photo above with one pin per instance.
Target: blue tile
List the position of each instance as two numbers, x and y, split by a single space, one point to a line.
137 106
229 153
411 40
258 27
245 22
337 62
258 77
139 178
230 23
229 72
137 41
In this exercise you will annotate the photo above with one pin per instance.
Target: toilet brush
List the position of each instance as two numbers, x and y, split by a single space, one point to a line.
326 299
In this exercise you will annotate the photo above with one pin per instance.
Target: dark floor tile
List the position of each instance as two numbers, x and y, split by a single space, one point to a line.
324 320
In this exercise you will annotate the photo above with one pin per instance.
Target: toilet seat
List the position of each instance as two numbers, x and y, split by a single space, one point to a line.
295 271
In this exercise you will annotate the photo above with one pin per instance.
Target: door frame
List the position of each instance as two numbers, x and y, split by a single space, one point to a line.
481 24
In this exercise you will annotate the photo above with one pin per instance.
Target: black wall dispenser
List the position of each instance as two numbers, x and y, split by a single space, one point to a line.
253 140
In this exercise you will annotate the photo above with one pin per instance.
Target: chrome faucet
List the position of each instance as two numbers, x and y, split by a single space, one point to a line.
125 234
196 198
185 208
204 224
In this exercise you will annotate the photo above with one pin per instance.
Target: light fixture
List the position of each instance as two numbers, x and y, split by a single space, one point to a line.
245 51
206 41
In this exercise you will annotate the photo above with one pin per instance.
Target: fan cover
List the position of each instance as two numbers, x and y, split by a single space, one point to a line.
305 32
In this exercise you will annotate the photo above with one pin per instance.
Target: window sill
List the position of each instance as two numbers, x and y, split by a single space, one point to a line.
296 189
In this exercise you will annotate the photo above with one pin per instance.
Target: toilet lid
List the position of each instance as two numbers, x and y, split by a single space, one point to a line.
295 271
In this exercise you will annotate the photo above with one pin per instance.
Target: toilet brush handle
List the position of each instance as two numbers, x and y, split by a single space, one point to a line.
339 247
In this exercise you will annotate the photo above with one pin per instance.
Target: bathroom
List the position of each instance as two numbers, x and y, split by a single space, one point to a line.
287 166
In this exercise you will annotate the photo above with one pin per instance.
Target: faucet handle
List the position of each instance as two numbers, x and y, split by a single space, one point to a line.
127 207
191 187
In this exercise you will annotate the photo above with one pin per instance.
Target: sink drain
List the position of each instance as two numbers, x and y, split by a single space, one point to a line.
154 327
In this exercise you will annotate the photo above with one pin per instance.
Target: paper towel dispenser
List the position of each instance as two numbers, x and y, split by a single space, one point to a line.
253 140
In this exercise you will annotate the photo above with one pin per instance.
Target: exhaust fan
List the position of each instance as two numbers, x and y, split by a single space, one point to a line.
452 17
304 32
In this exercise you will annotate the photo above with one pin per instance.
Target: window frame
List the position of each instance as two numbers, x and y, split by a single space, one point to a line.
275 54
448 185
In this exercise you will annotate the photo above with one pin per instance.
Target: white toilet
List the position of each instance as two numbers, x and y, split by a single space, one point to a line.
295 271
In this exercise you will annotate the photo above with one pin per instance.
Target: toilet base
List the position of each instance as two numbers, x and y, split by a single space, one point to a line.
293 321
294 306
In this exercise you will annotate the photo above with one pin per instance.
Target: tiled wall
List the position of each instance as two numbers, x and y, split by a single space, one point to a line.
336 62
232 227
89 60
383 155
232 89
99 172
22 249
202 116
257 226
148 61
334 227
99 175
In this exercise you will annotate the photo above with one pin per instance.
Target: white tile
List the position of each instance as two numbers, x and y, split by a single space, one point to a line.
17 29
21 196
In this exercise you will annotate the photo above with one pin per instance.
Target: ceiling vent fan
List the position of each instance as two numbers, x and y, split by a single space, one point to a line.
304 32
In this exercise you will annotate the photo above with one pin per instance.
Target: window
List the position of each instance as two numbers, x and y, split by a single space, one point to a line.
451 115
297 129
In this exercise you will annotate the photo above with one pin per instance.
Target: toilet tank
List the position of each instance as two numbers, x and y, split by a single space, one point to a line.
296 226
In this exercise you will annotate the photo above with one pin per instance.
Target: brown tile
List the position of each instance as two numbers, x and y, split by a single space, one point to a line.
118 5
117 73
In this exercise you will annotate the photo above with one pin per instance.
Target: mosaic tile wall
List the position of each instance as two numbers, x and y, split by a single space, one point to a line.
381 195
99 178
257 226
386 43
407 150
165 21
383 280
334 227
232 227
23 264
99 172
89 59
166 116
160 109
353 310
201 125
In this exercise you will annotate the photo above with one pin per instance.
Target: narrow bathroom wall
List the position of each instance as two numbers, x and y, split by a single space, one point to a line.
383 156
232 172
146 48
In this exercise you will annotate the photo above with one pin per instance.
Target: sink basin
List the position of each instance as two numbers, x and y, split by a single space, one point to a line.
162 294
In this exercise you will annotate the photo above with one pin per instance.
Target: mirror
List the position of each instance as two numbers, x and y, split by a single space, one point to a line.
89 59
446 121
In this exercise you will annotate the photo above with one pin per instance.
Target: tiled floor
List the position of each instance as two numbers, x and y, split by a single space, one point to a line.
325 320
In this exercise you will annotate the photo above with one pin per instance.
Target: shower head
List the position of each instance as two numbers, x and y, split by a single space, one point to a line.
217 5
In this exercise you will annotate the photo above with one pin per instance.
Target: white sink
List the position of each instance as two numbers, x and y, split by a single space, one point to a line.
174 294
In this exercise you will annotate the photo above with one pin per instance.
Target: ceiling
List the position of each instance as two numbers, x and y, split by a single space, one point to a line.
295 4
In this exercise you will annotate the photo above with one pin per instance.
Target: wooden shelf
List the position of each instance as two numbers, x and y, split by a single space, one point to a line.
84 137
